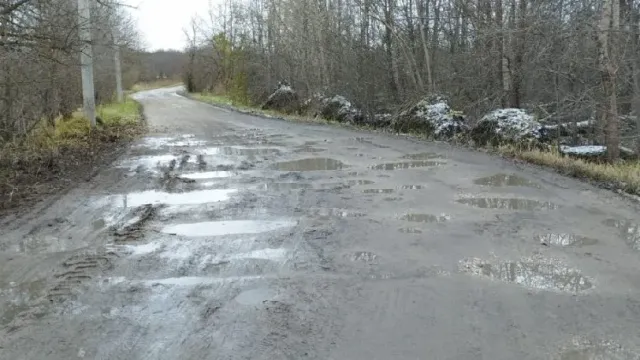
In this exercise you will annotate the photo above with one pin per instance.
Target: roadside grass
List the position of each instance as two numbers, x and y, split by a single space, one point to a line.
156 84
51 155
624 175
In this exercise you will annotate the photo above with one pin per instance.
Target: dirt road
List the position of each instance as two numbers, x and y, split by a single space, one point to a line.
226 236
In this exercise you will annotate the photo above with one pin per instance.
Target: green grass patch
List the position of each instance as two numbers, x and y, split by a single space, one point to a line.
57 152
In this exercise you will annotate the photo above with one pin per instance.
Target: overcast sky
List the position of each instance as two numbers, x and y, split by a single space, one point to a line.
161 22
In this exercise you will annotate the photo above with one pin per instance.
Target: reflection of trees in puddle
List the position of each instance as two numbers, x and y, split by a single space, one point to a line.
565 240
509 204
504 180
535 274
404 165
629 231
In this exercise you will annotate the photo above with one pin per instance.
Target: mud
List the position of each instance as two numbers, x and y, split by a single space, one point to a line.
508 204
628 230
219 237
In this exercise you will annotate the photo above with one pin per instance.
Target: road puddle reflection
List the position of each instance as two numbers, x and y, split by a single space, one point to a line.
311 164
232 227
500 180
509 204
405 165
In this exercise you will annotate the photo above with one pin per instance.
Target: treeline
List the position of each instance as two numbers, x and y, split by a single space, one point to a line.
40 59
564 60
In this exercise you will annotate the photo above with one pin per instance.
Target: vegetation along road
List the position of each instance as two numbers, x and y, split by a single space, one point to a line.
221 235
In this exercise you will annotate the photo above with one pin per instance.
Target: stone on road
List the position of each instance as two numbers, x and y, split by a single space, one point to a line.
227 236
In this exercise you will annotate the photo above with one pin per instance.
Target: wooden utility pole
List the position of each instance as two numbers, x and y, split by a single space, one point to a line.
86 61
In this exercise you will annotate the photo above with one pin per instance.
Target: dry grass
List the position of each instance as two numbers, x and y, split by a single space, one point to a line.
50 155
155 84
624 175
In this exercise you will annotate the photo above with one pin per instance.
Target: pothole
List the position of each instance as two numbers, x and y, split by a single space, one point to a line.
507 203
422 156
232 227
583 349
565 240
629 231
255 296
359 182
425 218
186 198
378 191
405 165
363 256
208 175
533 273
411 187
499 180
312 164
410 231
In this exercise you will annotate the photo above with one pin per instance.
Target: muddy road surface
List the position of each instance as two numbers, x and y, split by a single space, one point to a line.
226 236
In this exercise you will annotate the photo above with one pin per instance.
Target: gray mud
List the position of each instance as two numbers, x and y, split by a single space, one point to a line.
227 236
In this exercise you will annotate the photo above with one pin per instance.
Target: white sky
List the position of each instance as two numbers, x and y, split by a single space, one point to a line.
161 22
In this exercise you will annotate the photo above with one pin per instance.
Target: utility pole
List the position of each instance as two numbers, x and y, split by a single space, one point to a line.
118 68
86 61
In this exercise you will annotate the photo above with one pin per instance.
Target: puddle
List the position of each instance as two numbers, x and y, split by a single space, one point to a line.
159 142
356 173
422 156
509 204
539 274
217 228
147 161
410 231
255 296
186 198
309 150
378 191
312 164
504 180
629 231
565 240
425 218
333 212
208 175
198 280
359 182
286 186
363 256
411 187
262 254
405 165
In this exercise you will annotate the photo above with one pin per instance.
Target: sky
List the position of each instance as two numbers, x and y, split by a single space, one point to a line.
162 22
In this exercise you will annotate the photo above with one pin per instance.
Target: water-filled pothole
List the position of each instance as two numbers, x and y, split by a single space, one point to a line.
425 218
363 256
533 273
565 240
508 203
504 180
629 231
186 198
378 191
208 175
217 228
411 187
359 182
410 231
405 165
255 296
422 156
311 164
